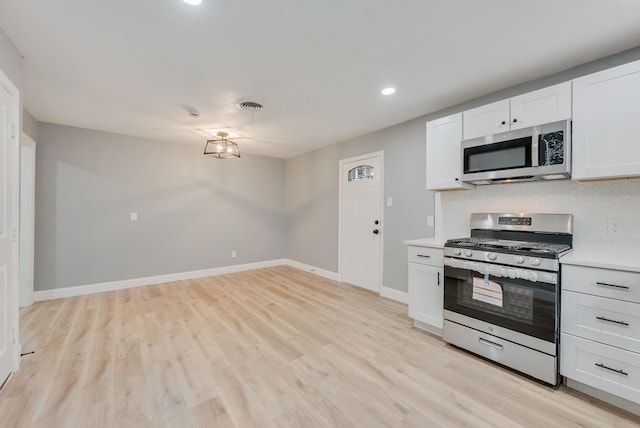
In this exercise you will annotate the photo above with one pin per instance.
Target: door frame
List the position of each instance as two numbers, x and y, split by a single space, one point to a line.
27 220
379 154
14 158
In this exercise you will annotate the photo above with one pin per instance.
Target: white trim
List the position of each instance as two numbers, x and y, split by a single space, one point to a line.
15 113
312 269
379 154
80 290
393 294
26 225
614 400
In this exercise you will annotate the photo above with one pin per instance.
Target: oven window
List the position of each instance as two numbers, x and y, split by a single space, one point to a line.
519 305
498 156
505 300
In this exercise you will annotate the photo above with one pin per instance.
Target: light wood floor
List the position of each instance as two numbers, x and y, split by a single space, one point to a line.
272 347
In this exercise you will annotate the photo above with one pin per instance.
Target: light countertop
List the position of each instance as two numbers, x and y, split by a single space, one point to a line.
628 261
426 242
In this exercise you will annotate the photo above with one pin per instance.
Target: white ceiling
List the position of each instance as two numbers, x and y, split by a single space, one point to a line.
128 66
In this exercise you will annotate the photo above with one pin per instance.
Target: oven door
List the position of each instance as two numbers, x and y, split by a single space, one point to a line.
521 300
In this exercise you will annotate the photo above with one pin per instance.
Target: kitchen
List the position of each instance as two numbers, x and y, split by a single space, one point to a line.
305 230
492 285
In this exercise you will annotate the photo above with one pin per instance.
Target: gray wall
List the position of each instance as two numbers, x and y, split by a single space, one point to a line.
312 182
10 60
312 199
29 125
193 210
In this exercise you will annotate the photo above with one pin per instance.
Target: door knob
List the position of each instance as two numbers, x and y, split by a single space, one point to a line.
376 231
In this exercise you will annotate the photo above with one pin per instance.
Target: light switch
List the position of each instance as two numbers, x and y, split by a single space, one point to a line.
134 216
430 221
389 201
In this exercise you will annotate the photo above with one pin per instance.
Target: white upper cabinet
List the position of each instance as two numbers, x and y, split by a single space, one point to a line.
443 153
606 111
486 120
546 105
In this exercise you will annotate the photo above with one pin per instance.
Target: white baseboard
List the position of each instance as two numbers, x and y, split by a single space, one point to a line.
393 294
149 280
312 269
627 405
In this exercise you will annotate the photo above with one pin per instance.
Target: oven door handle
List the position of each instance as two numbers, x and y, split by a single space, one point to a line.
503 271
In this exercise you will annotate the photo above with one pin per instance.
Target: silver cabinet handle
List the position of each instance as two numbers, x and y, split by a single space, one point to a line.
613 321
490 343
619 371
604 284
424 255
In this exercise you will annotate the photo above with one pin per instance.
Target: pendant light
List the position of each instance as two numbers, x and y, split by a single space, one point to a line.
222 148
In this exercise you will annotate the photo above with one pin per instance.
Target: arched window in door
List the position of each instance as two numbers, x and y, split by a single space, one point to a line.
361 173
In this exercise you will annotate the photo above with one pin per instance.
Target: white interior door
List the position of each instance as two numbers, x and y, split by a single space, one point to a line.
8 306
27 217
361 221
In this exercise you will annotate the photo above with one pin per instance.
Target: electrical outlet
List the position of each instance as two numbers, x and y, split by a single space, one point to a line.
134 216
614 227
430 221
234 254
389 201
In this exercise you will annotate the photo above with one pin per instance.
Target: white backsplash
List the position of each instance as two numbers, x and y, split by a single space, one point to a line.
593 204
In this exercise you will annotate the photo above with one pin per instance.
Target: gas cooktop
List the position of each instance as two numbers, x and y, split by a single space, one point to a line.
509 246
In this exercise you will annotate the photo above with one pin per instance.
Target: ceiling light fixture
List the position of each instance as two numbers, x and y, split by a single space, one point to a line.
388 91
192 2
222 148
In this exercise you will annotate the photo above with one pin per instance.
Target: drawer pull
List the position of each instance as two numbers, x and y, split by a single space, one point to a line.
490 343
619 371
424 255
604 284
613 321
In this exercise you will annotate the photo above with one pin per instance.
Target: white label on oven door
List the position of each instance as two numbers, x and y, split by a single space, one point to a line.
487 291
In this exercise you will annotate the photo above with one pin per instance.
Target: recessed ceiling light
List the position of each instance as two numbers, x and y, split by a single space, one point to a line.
192 2
388 91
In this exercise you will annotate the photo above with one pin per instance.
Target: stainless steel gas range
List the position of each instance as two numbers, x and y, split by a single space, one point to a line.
502 290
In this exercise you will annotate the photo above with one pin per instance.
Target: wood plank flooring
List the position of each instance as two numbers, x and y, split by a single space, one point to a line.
272 347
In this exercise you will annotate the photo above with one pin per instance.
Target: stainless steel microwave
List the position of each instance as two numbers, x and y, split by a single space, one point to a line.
537 153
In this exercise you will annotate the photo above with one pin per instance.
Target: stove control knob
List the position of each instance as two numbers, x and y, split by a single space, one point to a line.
492 256
457 252
534 261
518 259
468 253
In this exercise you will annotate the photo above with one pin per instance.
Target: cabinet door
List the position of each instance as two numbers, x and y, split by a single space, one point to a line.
443 153
486 120
606 108
546 105
426 296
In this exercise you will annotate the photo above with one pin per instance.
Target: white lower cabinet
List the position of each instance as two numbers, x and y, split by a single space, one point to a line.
600 329
610 369
426 285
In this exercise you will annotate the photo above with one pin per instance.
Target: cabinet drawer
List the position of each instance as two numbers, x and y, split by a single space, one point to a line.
426 256
609 321
610 369
602 282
